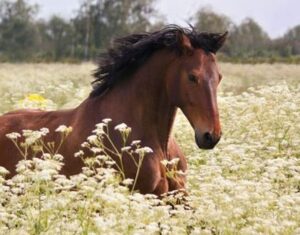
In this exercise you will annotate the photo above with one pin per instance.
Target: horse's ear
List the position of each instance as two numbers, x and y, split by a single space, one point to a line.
218 41
185 44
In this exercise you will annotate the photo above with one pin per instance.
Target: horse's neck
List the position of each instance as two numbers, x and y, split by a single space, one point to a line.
142 101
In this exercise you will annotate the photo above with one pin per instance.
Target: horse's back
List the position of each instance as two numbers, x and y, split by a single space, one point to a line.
22 112
34 119
18 120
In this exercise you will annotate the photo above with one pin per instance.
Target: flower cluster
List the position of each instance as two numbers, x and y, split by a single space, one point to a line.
249 184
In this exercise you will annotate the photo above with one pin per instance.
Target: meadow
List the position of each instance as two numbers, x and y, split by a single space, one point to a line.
248 184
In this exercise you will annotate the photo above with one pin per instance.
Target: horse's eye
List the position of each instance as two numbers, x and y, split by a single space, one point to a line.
193 78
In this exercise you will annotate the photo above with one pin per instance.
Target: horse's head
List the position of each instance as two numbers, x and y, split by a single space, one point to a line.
192 84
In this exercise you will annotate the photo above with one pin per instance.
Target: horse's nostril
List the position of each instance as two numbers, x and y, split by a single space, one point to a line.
206 140
208 137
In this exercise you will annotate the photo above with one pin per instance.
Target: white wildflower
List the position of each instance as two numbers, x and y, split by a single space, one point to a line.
58 157
44 131
3 171
125 149
110 162
127 182
85 145
249 184
101 157
61 128
100 125
46 174
106 120
135 142
23 165
31 137
143 150
80 153
64 129
93 139
13 135
174 161
165 162
152 228
46 156
99 129
27 133
96 150
122 127
151 196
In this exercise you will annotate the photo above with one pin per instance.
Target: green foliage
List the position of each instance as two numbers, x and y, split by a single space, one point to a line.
98 22
22 37
19 36
247 42
58 40
208 20
289 44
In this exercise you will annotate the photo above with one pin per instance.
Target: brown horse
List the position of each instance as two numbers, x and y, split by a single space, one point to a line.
140 81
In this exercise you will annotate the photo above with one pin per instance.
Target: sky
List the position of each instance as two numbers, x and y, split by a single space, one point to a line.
275 16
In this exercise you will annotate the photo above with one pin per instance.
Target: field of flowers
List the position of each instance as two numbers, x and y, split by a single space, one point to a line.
249 184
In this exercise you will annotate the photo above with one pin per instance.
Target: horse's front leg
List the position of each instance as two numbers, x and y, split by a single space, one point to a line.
178 179
176 183
167 184
153 174
162 187
152 178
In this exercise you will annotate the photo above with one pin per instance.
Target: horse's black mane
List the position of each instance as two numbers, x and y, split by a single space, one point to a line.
130 52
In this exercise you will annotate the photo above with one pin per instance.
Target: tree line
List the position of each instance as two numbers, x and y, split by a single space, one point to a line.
24 37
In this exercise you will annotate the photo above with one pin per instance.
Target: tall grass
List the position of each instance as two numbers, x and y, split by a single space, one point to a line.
249 184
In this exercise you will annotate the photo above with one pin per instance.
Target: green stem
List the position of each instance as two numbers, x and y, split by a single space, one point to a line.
137 172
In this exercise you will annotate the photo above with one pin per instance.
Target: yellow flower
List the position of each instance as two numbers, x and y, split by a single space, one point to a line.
35 101
35 98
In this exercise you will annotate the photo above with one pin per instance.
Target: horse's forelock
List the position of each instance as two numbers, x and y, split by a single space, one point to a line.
210 42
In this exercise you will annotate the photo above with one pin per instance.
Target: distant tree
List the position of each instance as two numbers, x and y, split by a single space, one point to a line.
280 47
99 21
57 38
292 39
19 37
210 21
248 39
289 44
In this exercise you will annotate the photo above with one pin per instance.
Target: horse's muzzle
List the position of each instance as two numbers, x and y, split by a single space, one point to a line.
206 140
